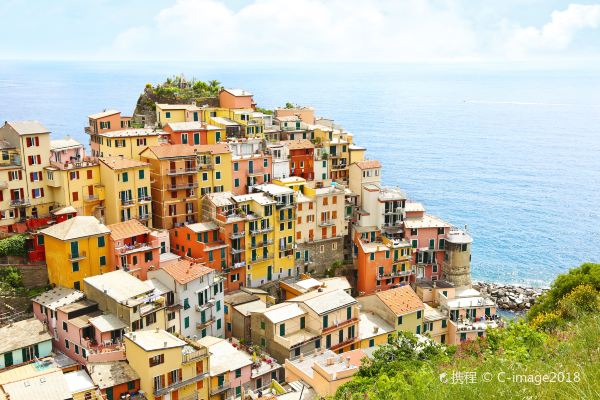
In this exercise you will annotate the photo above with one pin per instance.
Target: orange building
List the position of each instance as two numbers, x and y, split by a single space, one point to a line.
116 379
382 263
193 133
301 158
133 248
202 243
236 98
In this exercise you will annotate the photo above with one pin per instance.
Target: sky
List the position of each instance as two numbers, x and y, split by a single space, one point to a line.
542 31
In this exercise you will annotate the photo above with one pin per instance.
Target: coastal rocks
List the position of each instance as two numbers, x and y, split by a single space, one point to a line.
510 297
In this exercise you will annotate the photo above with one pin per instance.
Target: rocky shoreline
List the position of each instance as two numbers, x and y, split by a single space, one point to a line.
510 297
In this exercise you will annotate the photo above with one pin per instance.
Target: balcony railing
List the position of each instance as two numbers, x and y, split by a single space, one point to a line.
326 222
204 166
127 202
127 248
339 166
183 186
77 256
262 258
142 199
220 388
205 306
393 274
258 231
182 171
202 325
339 325
237 251
342 344
237 235
261 244
286 247
179 384
19 202
144 217
91 197
196 355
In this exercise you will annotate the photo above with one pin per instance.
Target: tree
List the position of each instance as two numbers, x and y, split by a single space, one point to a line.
289 105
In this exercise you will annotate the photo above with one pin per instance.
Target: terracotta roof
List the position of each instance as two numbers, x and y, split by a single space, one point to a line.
117 163
184 271
127 229
402 300
184 150
366 164
299 144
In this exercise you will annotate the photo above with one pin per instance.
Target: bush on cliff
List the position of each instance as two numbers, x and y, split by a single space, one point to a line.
586 274
13 246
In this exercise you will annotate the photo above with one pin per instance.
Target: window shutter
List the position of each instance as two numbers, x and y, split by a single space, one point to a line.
39 160
42 191
37 141
20 175
31 176
30 160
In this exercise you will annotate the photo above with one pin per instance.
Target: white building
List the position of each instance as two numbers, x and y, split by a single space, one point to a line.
280 160
198 293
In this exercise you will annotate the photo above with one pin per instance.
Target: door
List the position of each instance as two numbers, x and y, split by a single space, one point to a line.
109 393
74 249
8 359
195 117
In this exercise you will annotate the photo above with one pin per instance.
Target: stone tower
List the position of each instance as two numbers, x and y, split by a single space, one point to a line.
457 261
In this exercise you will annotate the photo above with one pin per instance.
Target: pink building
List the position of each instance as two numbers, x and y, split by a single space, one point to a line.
236 98
102 122
249 170
426 234
134 248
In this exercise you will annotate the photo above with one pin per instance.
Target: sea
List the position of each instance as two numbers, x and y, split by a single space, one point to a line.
512 153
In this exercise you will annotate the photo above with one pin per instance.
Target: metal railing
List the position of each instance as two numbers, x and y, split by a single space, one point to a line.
182 186
19 202
181 171
77 256
258 231
176 385
237 235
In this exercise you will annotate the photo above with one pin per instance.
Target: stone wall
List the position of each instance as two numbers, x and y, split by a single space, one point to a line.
319 262
510 297
34 275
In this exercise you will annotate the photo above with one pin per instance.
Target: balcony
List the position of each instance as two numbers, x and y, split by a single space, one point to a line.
204 166
393 274
261 244
145 199
183 186
141 246
181 171
205 306
179 384
19 202
208 322
340 325
286 247
143 217
237 251
263 258
91 197
346 342
281 205
327 222
237 235
261 230
77 256
220 388
339 166
195 356
127 202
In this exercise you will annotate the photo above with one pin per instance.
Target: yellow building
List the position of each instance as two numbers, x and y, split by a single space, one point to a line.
127 190
259 237
373 330
284 228
73 179
167 113
237 122
399 307
76 249
169 367
128 143
23 191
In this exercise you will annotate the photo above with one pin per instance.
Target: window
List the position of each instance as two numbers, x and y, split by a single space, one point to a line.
102 260
65 326
262 325
236 166
282 330
400 320
372 256
67 343
418 331
141 174
219 323
168 114
238 373
236 182
371 342
157 360
186 303
302 322
101 241
218 175
125 176
186 322
150 319
263 342
325 321
75 266
431 244
419 314
441 244
148 256
217 160
463 337
444 323
414 243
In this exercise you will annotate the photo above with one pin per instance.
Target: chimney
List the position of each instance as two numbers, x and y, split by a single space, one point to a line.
301 356
156 329
165 345
347 362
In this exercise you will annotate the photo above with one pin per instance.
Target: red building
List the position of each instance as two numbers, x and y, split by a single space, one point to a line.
302 156
193 133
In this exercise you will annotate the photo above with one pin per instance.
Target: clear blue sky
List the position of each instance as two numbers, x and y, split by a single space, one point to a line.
300 30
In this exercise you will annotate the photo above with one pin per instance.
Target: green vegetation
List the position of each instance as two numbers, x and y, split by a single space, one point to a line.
289 105
553 354
264 111
10 277
178 89
13 246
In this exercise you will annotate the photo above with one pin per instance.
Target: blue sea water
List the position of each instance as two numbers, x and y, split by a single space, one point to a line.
512 153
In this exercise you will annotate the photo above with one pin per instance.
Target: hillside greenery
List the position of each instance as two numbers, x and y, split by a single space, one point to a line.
13 246
558 341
